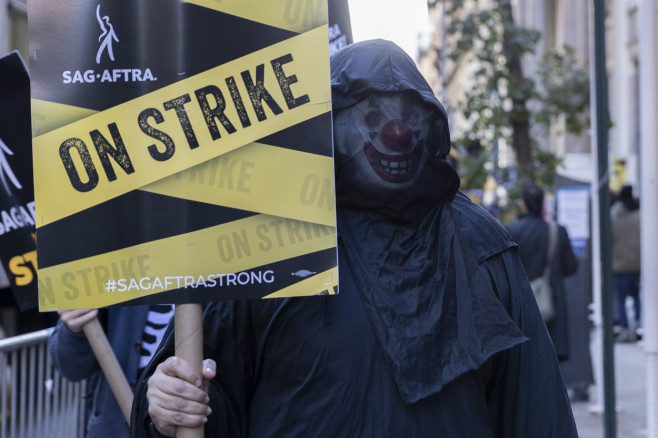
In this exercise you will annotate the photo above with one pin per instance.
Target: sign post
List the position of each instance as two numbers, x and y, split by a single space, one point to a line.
110 366
189 346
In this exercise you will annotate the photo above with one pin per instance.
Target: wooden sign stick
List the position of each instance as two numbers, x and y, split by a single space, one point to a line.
110 366
189 346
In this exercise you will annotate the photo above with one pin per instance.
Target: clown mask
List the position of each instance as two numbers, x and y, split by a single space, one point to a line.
381 142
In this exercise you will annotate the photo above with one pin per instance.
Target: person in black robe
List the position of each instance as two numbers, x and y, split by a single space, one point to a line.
434 332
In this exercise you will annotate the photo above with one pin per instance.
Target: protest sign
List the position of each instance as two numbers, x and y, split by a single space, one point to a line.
340 25
17 213
182 151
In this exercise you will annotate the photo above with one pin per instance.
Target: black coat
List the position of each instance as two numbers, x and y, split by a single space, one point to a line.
313 367
531 233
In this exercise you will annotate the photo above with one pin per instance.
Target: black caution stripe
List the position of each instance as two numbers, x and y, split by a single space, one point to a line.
304 136
131 219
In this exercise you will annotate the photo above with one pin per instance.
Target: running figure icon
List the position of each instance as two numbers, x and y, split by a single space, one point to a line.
5 169
107 36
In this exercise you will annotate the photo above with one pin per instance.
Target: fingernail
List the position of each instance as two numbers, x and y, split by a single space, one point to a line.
208 410
197 383
207 399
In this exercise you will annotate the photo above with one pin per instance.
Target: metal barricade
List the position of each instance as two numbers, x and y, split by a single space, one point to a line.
35 400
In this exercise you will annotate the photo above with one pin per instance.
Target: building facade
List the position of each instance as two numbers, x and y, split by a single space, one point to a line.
560 23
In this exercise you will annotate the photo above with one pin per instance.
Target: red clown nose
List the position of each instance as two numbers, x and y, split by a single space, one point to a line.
396 135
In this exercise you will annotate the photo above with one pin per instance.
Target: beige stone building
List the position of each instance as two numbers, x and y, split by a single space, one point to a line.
565 22
13 27
560 22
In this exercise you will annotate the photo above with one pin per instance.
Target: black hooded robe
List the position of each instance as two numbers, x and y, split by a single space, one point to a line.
448 342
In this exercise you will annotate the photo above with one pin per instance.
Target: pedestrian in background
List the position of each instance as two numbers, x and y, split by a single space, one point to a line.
626 260
531 232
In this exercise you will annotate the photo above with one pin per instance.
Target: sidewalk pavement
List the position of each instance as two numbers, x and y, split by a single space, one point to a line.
630 389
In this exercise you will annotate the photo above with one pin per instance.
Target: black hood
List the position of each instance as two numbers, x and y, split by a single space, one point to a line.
361 69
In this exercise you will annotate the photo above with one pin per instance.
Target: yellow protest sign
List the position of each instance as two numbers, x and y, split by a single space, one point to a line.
167 141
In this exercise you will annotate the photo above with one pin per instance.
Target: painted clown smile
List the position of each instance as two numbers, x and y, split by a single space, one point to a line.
394 168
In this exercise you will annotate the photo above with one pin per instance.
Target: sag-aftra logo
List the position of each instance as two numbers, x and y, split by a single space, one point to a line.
17 216
106 41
